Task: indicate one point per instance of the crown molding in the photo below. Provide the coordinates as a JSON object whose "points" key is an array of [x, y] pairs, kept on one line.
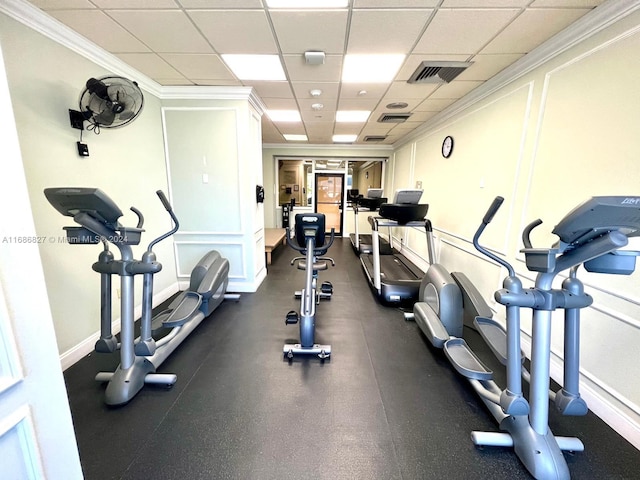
{"points": [[338, 146], [588, 25]]}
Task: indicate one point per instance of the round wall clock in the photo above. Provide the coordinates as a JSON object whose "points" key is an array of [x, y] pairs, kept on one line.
{"points": [[447, 146]]}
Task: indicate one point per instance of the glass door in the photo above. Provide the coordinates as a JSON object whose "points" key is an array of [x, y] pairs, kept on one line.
{"points": [[329, 199]]}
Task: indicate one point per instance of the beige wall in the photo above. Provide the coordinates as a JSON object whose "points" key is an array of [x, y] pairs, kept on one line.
{"points": [[562, 133], [127, 163]]}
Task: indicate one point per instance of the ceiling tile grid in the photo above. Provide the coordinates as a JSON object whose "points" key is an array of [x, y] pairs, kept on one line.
{"points": [[181, 42]]}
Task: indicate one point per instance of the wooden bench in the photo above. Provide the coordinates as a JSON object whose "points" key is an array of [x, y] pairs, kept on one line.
{"points": [[272, 238]]}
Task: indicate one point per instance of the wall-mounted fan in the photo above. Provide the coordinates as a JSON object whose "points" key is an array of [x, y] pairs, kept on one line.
{"points": [[108, 102]]}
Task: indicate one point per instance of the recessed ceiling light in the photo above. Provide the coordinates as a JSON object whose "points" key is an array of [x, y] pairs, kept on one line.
{"points": [[290, 137], [284, 115], [398, 105], [371, 68], [352, 115], [255, 67], [307, 3], [344, 138], [316, 92]]}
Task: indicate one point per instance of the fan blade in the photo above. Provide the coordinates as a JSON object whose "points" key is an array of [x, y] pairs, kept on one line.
{"points": [[106, 117]]}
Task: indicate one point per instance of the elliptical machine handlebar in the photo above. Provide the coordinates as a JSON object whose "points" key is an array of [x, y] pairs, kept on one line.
{"points": [[488, 217], [176, 223]]}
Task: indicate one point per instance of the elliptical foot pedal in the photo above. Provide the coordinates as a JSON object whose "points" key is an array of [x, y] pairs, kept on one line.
{"points": [[465, 361], [292, 318]]}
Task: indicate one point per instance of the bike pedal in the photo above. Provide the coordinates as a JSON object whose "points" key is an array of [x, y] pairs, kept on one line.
{"points": [[292, 318], [326, 287]]}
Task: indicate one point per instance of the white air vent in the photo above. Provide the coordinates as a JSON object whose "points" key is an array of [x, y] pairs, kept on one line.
{"points": [[393, 117], [375, 138], [438, 72]]}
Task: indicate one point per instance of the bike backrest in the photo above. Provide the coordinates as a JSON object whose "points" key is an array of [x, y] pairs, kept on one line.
{"points": [[310, 225]]}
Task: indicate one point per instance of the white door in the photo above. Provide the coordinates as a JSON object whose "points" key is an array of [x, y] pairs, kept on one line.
{"points": [[36, 433]]}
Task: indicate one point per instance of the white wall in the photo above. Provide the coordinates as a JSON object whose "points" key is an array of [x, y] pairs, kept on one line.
{"points": [[547, 141]]}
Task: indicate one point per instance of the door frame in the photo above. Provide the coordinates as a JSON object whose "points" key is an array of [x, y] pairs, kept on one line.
{"points": [[331, 173]]}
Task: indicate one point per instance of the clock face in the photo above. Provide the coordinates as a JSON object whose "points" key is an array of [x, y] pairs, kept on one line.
{"points": [[447, 146]]}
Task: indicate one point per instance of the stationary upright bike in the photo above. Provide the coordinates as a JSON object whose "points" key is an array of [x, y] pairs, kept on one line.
{"points": [[310, 236], [98, 217]]}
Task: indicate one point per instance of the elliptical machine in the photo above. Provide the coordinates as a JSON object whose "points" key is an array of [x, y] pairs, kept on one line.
{"points": [[590, 235], [139, 358], [310, 235]]}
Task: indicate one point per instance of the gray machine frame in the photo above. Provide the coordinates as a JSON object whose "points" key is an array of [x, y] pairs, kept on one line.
{"points": [[140, 357], [590, 235]]}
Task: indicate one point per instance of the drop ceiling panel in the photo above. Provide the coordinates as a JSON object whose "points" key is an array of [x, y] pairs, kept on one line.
{"points": [[62, 4], [456, 89], [371, 30], [357, 103], [531, 28], [486, 66], [567, 3], [299, 71], [236, 31], [301, 31], [136, 3], [394, 3], [220, 3], [152, 65], [278, 103], [463, 30], [411, 90], [164, 31], [484, 3], [100, 29], [271, 89], [434, 104], [326, 115], [329, 90], [329, 104], [202, 66], [353, 90]]}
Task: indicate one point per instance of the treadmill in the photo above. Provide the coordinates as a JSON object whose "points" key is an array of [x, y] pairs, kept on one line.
{"points": [[394, 278], [361, 242]]}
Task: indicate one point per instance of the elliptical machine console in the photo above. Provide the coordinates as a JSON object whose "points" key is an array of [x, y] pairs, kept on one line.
{"points": [[310, 237], [98, 217]]}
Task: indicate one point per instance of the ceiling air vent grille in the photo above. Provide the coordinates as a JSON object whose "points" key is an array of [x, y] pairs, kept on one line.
{"points": [[393, 117], [375, 138], [438, 72]]}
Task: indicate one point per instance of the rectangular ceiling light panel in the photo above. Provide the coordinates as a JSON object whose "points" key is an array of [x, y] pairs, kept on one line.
{"points": [[352, 115], [255, 67], [299, 4], [371, 68]]}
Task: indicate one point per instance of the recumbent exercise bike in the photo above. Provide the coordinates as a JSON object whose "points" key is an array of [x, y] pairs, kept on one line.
{"points": [[310, 236], [98, 215]]}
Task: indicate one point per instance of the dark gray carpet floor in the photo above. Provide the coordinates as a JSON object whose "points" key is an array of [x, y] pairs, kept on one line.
{"points": [[385, 406]]}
